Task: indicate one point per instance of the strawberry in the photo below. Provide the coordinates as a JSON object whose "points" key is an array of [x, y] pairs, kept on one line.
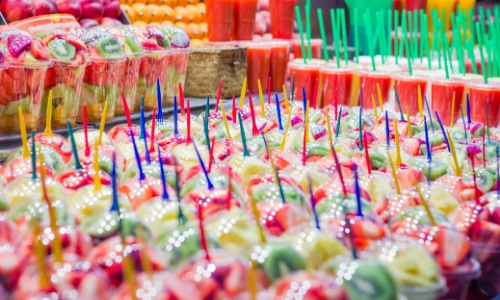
{"points": [[454, 247], [235, 281], [50, 79], [136, 191], [76, 179], [76, 42], [407, 178], [49, 37], [367, 229], [412, 145], [38, 50]]}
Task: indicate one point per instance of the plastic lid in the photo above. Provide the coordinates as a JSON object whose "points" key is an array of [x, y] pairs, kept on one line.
{"points": [[481, 85], [66, 48], [302, 66], [131, 45], [313, 41], [103, 45], [332, 69], [21, 48], [313, 61], [152, 39], [279, 43]]}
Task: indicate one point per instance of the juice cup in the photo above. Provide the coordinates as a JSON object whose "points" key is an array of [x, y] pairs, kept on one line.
{"points": [[244, 19], [458, 281], [102, 75], [316, 47], [259, 63], [305, 76], [369, 80], [442, 97], [219, 19], [479, 94], [407, 88], [282, 18], [341, 79], [280, 51], [176, 73], [468, 77]]}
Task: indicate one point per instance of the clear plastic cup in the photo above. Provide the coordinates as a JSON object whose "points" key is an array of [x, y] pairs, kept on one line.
{"points": [[22, 69], [280, 52], [259, 60], [244, 19], [128, 83], [305, 76], [369, 80], [442, 92], [64, 78], [176, 73], [102, 75], [407, 88], [479, 94], [316, 47], [488, 255], [458, 281], [333, 78], [282, 18], [219, 19]]}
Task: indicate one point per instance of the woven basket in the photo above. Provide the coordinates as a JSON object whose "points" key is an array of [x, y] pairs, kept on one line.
{"points": [[208, 65]]}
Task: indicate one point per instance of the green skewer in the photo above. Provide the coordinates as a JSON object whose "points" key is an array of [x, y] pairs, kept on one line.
{"points": [[480, 44], [323, 34], [344, 35], [335, 36], [356, 35], [396, 35], [301, 32]]}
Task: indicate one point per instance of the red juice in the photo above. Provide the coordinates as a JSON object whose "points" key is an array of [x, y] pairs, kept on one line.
{"points": [[282, 18], [244, 19], [316, 48], [479, 94], [442, 98], [279, 62], [258, 61], [305, 76], [332, 77], [219, 19], [407, 88], [369, 80]]}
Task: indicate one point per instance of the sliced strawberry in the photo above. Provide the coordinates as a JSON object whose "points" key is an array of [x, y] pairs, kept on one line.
{"points": [[407, 178], [488, 234], [38, 50], [149, 44], [367, 229], [439, 147], [50, 79], [236, 281], [313, 158], [411, 145], [290, 215], [137, 192], [73, 40], [454, 247], [49, 37]]}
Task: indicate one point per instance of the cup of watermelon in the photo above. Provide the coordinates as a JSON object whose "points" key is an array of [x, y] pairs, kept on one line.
{"points": [[70, 57], [102, 75], [23, 63], [177, 63], [153, 65], [132, 48]]}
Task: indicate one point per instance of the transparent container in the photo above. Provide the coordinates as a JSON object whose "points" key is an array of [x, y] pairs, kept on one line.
{"points": [[488, 255], [176, 73], [458, 281]]}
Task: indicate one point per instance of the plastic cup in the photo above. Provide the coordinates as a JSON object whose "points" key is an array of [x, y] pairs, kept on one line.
{"points": [[176, 73], [65, 81], [333, 78], [489, 257], [316, 47], [407, 88], [219, 19], [305, 76], [282, 18], [128, 85], [369, 80], [280, 51], [442, 91], [259, 63], [458, 281], [479, 94], [244, 19], [153, 65]]}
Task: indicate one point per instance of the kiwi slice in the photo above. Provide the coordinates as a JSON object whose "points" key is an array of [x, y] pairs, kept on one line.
{"points": [[61, 49], [134, 44], [281, 261], [371, 281], [109, 48], [436, 167]]}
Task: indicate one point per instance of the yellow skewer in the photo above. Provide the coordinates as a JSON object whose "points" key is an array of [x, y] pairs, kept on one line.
{"points": [[426, 207], [398, 146], [380, 100], [420, 103], [24, 138], [48, 117], [393, 171], [261, 98], [410, 130], [103, 121], [224, 119], [452, 110], [330, 133], [97, 168], [286, 98], [243, 92], [375, 110], [306, 124], [287, 126], [256, 215], [458, 170]]}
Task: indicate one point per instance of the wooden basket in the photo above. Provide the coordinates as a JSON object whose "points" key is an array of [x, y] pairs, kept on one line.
{"points": [[208, 65]]}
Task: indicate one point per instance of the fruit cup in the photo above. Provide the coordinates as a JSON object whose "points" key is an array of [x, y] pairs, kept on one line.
{"points": [[244, 19], [176, 73], [369, 80], [407, 89], [282, 18], [479, 94], [442, 92], [489, 257], [259, 61], [316, 48], [128, 83], [305, 76], [280, 51], [153, 65], [334, 78], [24, 63], [102, 75], [458, 280], [64, 78], [219, 19]]}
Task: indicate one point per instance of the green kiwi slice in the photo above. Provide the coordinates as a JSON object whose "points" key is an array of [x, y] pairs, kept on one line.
{"points": [[109, 48], [134, 44], [61, 49]]}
